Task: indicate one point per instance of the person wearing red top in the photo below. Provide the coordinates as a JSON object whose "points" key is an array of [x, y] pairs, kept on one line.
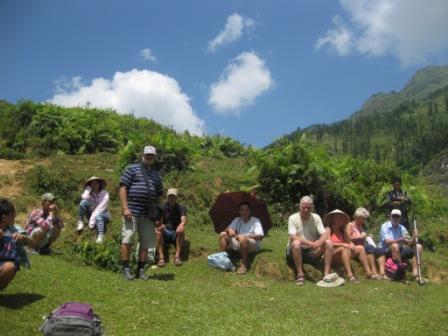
{"points": [[335, 222]]}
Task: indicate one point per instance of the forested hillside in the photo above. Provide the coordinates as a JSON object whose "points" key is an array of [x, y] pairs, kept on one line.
{"points": [[408, 128]]}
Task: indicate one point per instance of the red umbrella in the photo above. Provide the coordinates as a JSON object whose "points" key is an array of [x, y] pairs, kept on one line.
{"points": [[225, 210]]}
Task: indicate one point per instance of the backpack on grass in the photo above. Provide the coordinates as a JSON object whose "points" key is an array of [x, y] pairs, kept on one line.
{"points": [[72, 319], [395, 270], [220, 261]]}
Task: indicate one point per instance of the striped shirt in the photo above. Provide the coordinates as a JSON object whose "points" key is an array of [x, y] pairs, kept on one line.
{"points": [[138, 194]]}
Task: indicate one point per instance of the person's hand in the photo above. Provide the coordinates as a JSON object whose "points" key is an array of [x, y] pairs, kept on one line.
{"points": [[180, 228], [352, 246], [160, 227], [127, 214], [314, 245], [17, 237], [53, 208]]}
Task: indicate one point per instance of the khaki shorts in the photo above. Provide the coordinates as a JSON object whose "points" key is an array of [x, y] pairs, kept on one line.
{"points": [[144, 228], [254, 245]]}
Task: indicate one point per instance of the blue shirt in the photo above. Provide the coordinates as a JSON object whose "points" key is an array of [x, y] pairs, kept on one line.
{"points": [[139, 197], [388, 231]]}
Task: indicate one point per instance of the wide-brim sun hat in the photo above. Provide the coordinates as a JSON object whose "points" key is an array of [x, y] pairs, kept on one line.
{"points": [[101, 181], [329, 217], [331, 280]]}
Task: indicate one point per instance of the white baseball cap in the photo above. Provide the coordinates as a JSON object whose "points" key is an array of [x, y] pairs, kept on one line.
{"points": [[395, 212], [149, 150]]}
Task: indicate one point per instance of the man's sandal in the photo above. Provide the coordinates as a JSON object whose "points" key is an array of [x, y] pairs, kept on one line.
{"points": [[161, 263], [241, 270], [178, 262], [300, 280]]}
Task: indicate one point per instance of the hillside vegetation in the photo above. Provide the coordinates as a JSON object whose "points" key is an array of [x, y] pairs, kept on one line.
{"points": [[406, 128]]}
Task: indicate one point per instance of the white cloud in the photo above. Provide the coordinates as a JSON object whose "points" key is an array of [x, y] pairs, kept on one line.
{"points": [[241, 82], [147, 55], [339, 38], [236, 25], [412, 30], [145, 93]]}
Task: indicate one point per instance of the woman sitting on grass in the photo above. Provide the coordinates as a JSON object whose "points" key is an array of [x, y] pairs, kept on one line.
{"points": [[94, 206], [358, 237], [10, 240], [335, 222]]}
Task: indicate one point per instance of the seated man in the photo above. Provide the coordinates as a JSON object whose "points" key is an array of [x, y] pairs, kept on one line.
{"points": [[44, 225], [397, 243], [172, 228], [307, 239], [244, 234]]}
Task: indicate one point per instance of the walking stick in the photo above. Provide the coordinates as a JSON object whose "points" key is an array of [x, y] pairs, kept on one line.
{"points": [[417, 255]]}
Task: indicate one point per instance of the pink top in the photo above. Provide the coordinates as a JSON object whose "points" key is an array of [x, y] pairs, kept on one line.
{"points": [[37, 218], [337, 237], [356, 235]]}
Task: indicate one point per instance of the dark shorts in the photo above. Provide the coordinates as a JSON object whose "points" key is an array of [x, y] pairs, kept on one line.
{"points": [[377, 251], [406, 252], [169, 236], [308, 255]]}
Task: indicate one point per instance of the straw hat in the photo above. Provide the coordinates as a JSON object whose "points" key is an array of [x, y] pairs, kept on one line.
{"points": [[101, 181], [329, 217]]}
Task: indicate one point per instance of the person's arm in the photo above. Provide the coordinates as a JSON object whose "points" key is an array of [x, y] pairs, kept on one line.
{"points": [[24, 239], [388, 237], [123, 192], [86, 193], [183, 222]]}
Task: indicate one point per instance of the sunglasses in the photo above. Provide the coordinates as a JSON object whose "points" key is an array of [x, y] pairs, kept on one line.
{"points": [[396, 216]]}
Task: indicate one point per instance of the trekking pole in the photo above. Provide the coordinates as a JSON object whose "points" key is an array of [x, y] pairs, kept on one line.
{"points": [[417, 255]]}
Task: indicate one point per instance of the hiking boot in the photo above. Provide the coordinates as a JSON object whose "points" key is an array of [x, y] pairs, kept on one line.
{"points": [[44, 250], [79, 226], [127, 275], [100, 239], [141, 274]]}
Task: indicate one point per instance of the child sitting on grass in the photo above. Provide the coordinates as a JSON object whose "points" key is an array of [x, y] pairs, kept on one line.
{"points": [[10, 243]]}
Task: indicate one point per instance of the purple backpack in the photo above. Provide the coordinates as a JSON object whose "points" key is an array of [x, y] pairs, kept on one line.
{"points": [[395, 270], [70, 319]]}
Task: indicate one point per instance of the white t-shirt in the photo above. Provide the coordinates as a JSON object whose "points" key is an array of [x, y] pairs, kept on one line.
{"points": [[251, 227], [310, 229]]}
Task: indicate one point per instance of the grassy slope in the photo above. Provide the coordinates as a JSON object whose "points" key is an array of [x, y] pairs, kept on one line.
{"points": [[195, 299]]}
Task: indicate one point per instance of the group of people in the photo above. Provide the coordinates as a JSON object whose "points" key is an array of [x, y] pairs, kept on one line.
{"points": [[157, 225], [336, 241]]}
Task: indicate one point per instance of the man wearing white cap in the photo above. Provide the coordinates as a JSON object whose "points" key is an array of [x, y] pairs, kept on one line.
{"points": [[397, 243], [140, 192], [172, 228]]}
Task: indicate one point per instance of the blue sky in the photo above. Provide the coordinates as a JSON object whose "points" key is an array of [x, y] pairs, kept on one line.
{"points": [[252, 70]]}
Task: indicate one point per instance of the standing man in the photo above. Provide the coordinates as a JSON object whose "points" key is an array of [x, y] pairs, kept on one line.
{"points": [[44, 225], [172, 228], [398, 244], [307, 239], [140, 192], [398, 199]]}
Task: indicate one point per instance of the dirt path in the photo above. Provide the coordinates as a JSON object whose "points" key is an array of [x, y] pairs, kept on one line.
{"points": [[11, 177]]}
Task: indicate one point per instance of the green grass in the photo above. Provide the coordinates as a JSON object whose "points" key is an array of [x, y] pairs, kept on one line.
{"points": [[197, 300]]}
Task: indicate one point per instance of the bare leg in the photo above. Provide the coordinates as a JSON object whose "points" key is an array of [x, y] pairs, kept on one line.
{"points": [[372, 263], [180, 237], [244, 250], [159, 237], [223, 241], [360, 251], [329, 251], [296, 251], [142, 254], [7, 273], [381, 264], [125, 251]]}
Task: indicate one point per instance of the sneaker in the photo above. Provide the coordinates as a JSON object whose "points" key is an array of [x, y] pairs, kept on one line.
{"points": [[79, 226], [141, 274], [100, 239], [127, 275]]}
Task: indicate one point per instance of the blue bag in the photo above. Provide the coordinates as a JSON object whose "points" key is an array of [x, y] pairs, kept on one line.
{"points": [[221, 261]]}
